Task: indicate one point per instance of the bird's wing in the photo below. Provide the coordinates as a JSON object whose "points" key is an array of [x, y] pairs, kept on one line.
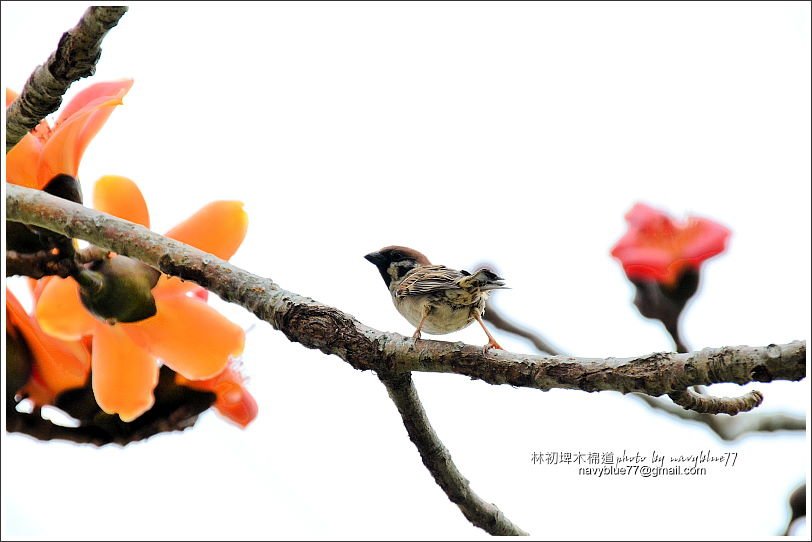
{"points": [[427, 279]]}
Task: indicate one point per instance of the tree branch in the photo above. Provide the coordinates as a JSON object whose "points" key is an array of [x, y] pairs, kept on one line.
{"points": [[730, 428], [725, 428], [496, 318], [438, 460], [41, 429], [75, 57], [319, 326], [706, 404], [38, 264]]}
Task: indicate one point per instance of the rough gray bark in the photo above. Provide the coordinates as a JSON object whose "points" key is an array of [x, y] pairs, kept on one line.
{"points": [[75, 57], [706, 404], [726, 428]]}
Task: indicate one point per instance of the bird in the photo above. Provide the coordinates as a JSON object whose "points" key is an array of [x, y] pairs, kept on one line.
{"points": [[435, 298]]}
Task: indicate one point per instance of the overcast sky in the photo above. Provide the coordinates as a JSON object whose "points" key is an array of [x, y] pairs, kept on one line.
{"points": [[513, 133]]}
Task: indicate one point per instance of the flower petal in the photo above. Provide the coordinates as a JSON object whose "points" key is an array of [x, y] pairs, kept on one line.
{"points": [[217, 228], [124, 374], [71, 135], [189, 336], [704, 239], [57, 365], [233, 400], [658, 248], [11, 95], [235, 403], [120, 196], [642, 214], [98, 91], [61, 313], [22, 162], [174, 286]]}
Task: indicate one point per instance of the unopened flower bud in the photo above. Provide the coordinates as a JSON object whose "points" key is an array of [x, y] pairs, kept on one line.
{"points": [[118, 289]]}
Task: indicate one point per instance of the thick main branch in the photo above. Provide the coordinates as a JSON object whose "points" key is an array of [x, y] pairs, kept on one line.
{"points": [[330, 330], [75, 57]]}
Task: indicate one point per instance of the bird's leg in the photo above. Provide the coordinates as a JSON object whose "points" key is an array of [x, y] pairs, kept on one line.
{"points": [[491, 341], [426, 312]]}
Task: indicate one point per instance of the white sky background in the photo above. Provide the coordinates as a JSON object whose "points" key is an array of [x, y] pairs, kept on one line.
{"points": [[516, 133]]}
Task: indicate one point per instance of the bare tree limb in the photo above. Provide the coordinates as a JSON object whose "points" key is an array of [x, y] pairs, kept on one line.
{"points": [[726, 428], [75, 57], [706, 404], [315, 325], [38, 264], [438, 460]]}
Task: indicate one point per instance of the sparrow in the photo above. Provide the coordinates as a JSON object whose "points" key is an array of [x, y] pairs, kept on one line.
{"points": [[435, 298]]}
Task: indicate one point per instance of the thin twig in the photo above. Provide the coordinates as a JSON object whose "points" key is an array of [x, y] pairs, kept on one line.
{"points": [[706, 404], [496, 318], [730, 428], [438, 460], [75, 57]]}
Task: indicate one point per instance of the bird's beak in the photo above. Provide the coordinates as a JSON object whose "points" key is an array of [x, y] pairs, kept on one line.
{"points": [[376, 258]]}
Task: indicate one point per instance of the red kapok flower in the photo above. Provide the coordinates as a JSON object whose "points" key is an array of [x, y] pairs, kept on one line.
{"points": [[47, 152], [656, 248], [186, 334], [233, 400], [55, 365]]}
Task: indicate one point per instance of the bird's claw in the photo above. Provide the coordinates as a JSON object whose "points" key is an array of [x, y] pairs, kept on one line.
{"points": [[491, 344]]}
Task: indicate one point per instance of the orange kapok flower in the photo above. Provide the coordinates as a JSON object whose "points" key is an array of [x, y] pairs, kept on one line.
{"points": [[233, 400], [186, 334], [56, 365], [656, 248], [45, 151]]}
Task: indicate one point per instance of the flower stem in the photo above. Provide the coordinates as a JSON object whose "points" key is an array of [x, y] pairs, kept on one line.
{"points": [[672, 326]]}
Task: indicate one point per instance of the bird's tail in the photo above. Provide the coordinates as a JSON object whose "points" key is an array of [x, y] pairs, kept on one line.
{"points": [[484, 279]]}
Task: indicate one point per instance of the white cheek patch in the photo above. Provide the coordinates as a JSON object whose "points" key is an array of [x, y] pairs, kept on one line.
{"points": [[398, 270], [392, 271]]}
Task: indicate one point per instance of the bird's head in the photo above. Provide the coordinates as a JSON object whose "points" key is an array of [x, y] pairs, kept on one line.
{"points": [[393, 262]]}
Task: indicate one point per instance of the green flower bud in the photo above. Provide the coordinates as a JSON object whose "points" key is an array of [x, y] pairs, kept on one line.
{"points": [[118, 289]]}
